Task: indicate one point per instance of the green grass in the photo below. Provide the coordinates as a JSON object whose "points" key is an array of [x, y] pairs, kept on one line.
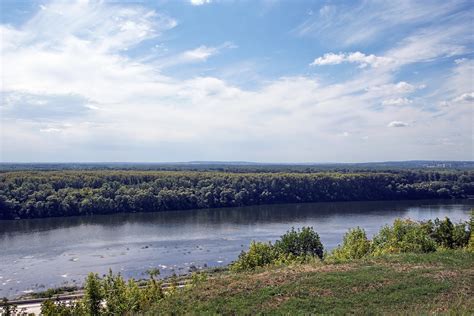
{"points": [[440, 282]]}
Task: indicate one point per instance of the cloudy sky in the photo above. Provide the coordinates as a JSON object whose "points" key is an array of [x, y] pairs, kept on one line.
{"points": [[268, 81]]}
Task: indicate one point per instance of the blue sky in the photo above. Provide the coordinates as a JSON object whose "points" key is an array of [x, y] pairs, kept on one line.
{"points": [[267, 81]]}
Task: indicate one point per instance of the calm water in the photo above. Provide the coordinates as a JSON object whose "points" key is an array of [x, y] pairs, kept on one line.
{"points": [[43, 253]]}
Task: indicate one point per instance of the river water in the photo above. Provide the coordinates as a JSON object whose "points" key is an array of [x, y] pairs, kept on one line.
{"points": [[42, 253]]}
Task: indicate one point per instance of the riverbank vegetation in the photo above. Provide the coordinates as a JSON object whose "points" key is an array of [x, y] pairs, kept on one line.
{"points": [[33, 194], [408, 267]]}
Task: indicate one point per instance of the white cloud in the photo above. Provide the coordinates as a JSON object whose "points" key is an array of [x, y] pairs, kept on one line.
{"points": [[92, 102], [431, 43], [199, 2], [356, 22], [356, 57], [465, 97], [196, 55], [397, 124], [329, 59], [401, 87], [199, 54], [397, 101]]}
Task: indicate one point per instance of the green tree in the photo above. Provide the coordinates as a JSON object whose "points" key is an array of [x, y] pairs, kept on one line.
{"points": [[94, 294], [355, 245], [301, 242]]}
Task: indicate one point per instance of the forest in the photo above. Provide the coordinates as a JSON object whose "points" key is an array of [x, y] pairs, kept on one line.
{"points": [[35, 194]]}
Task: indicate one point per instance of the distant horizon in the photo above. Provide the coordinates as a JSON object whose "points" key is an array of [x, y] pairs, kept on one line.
{"points": [[234, 162]]}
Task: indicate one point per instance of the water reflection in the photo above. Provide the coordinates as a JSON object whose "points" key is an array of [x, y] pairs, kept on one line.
{"points": [[236, 215]]}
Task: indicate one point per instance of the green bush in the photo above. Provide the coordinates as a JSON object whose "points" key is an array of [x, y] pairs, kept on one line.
{"points": [[443, 232], [8, 309], [303, 242], [403, 236], [461, 234], [446, 234], [94, 294], [110, 295], [258, 255], [294, 246], [55, 308], [122, 297], [355, 245], [470, 246]]}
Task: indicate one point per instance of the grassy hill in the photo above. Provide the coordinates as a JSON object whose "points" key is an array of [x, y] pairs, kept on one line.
{"points": [[437, 282]]}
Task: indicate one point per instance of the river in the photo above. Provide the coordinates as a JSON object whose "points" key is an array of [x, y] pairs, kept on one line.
{"points": [[42, 253]]}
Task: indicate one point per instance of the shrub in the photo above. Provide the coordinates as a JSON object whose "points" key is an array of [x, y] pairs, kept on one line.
{"points": [[8, 309], [461, 234], [470, 246], [295, 246], [110, 295], [446, 234], [403, 236], [54, 308], [443, 233], [94, 294], [355, 245], [258, 255], [300, 243]]}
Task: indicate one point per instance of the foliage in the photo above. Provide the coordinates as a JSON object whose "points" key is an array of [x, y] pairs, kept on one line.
{"points": [[7, 309], [198, 278], [294, 246], [470, 245], [443, 232], [55, 308], [258, 255], [404, 236], [54, 291], [303, 242], [355, 245], [94, 294], [110, 295], [30, 194]]}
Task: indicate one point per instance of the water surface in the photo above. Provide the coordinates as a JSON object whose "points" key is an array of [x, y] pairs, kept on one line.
{"points": [[43, 253]]}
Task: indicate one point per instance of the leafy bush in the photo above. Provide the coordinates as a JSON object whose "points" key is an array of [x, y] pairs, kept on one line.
{"points": [[94, 294], [300, 243], [258, 255], [294, 246], [470, 246], [8, 309], [446, 234], [443, 231], [110, 295], [355, 245], [403, 236], [461, 234], [54, 308]]}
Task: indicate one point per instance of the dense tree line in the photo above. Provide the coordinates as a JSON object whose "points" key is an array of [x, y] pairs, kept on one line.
{"points": [[30, 194]]}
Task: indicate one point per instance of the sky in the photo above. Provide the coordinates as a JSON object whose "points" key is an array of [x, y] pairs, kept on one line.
{"points": [[262, 81]]}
